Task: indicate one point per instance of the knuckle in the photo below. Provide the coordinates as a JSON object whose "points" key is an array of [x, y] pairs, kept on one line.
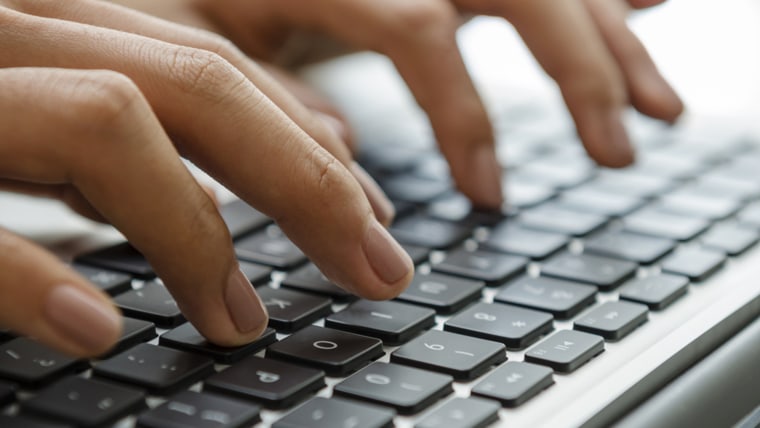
{"points": [[217, 44], [332, 178], [105, 101], [203, 73]]}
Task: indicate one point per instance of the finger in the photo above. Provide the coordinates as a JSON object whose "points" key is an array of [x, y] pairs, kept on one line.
{"points": [[45, 299], [324, 130], [420, 38], [650, 93], [318, 103], [642, 4], [231, 130], [563, 38], [107, 143]]}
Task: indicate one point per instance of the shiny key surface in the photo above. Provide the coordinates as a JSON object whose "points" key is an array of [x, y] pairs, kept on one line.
{"points": [[334, 351], [406, 389]]}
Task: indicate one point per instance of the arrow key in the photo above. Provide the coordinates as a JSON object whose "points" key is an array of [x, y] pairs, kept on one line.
{"points": [[566, 350], [514, 383], [613, 320]]}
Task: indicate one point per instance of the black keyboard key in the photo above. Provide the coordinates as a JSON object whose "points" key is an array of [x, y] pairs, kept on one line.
{"points": [[256, 274], [200, 410], [563, 299], [291, 310], [750, 215], [134, 331], [187, 338], [552, 218], [672, 226], [7, 392], [457, 208], [513, 326], [152, 303], [33, 364], [730, 239], [553, 173], [111, 282], [627, 183], [462, 413], [159, 370], [308, 278], [406, 389], [566, 350], [492, 268], [514, 383], [603, 272], [514, 239], [336, 352], [321, 412], [695, 263], [241, 218], [429, 232], [24, 421], [629, 246], [409, 188], [6, 335], [462, 357], [612, 320], [444, 293], [392, 322], [656, 291], [85, 402], [269, 247], [692, 204], [275, 384], [416, 253], [525, 194], [606, 204], [712, 184], [121, 257]]}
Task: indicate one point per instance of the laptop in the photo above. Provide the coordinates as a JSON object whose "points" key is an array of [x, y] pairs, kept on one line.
{"points": [[596, 298]]}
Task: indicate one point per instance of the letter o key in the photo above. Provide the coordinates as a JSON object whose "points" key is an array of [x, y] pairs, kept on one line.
{"points": [[325, 345]]}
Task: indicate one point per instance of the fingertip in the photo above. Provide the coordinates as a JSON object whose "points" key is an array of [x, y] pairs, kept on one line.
{"points": [[657, 99], [388, 260], [246, 310], [642, 4], [478, 175], [88, 324], [618, 151]]}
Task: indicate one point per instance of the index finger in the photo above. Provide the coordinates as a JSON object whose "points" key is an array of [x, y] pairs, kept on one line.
{"points": [[420, 38], [231, 130]]}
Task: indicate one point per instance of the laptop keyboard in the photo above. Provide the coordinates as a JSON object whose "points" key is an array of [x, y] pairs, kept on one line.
{"points": [[500, 307]]}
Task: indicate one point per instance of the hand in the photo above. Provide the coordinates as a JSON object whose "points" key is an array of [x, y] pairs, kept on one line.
{"points": [[100, 117], [599, 65]]}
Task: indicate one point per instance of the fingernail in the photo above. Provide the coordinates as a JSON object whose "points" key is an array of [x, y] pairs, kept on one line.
{"points": [[381, 205], [245, 308], [82, 318], [488, 173], [389, 261]]}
